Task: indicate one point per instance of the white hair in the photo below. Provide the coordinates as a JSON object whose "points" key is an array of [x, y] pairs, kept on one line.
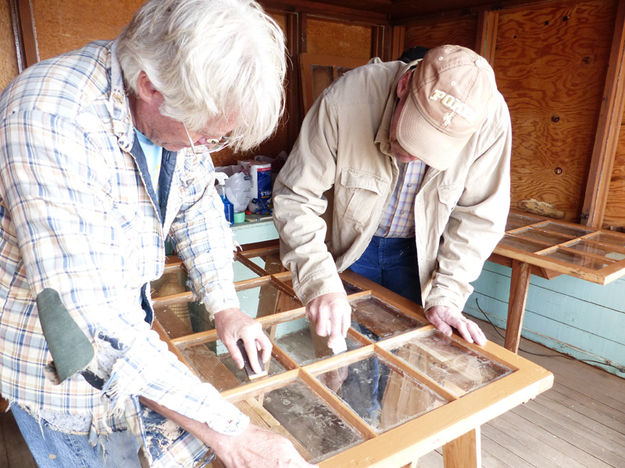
{"points": [[210, 59]]}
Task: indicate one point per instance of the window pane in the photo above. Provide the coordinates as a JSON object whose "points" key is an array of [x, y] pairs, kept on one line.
{"points": [[451, 365], [380, 395], [376, 320]]}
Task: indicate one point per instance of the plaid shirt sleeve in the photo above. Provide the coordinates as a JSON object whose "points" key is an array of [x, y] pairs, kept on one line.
{"points": [[77, 235], [202, 237]]}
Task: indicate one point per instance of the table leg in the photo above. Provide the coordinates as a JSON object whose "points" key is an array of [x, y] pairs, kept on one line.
{"points": [[519, 285], [464, 452]]}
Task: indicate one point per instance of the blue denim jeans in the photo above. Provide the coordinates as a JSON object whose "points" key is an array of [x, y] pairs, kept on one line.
{"points": [[392, 263], [55, 449]]}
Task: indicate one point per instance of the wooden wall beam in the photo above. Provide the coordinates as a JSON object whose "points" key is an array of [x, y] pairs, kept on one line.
{"points": [[325, 10], [398, 41], [25, 33], [486, 39], [608, 127], [295, 41]]}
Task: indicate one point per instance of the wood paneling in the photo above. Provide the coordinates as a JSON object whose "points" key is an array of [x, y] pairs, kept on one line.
{"points": [[550, 66], [67, 25], [334, 38], [8, 56], [460, 31]]}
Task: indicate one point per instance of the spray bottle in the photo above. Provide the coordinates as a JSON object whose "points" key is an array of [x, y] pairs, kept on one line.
{"points": [[221, 190]]}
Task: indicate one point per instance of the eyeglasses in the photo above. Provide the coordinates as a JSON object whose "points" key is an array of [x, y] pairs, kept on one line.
{"points": [[212, 145]]}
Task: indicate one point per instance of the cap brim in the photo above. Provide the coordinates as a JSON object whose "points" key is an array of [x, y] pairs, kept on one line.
{"points": [[423, 141]]}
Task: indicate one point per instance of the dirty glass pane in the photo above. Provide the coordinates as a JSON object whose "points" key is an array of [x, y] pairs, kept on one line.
{"points": [[573, 231], [213, 363], [577, 259], [458, 369], [317, 429], [521, 244], [516, 220], [380, 395], [597, 249], [543, 236], [265, 300], [270, 262], [612, 239], [376, 320], [351, 288], [172, 282], [301, 343], [175, 319], [242, 272]]}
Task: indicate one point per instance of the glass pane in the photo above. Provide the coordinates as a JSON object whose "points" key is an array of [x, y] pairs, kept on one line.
{"points": [[547, 237], [172, 282], [315, 425], [266, 300], [577, 259], [213, 363], [242, 272], [175, 319], [380, 395], [376, 320], [573, 231], [521, 244], [451, 365], [516, 220], [597, 249], [301, 343], [612, 239], [270, 262], [351, 288]]}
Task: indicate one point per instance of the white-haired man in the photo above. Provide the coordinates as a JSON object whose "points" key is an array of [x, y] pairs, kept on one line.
{"points": [[94, 174], [417, 157]]}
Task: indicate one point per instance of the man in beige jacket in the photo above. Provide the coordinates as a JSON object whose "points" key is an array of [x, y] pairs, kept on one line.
{"points": [[400, 173]]}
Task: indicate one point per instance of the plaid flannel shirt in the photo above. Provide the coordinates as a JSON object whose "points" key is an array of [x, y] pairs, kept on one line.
{"points": [[76, 216]]}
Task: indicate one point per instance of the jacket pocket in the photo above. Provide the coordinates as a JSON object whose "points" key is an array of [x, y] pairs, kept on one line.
{"points": [[448, 196], [358, 196]]}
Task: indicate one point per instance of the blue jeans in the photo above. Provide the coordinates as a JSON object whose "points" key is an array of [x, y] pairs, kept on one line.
{"points": [[392, 263], [55, 449]]}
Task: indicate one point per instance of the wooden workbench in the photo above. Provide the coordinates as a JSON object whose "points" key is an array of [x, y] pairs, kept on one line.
{"points": [[548, 248]]}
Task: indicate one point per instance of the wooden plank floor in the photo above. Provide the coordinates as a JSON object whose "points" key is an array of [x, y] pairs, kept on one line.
{"points": [[580, 422]]}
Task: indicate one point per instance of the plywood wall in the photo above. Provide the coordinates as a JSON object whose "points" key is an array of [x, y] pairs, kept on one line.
{"points": [[550, 65], [8, 60], [338, 38], [460, 31], [67, 25]]}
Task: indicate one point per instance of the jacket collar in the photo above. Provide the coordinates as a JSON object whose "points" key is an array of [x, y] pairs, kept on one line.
{"points": [[119, 104], [383, 134]]}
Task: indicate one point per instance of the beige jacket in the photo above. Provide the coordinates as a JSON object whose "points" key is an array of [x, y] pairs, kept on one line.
{"points": [[329, 196]]}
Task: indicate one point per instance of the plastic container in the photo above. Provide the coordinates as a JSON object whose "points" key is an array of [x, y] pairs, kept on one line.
{"points": [[221, 190]]}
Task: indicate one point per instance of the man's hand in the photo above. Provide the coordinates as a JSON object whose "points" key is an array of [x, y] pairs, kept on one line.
{"points": [[252, 448], [257, 448], [232, 325], [331, 314], [444, 318]]}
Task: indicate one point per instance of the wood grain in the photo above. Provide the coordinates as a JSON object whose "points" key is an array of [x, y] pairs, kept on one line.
{"points": [[8, 56], [460, 31], [550, 66]]}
